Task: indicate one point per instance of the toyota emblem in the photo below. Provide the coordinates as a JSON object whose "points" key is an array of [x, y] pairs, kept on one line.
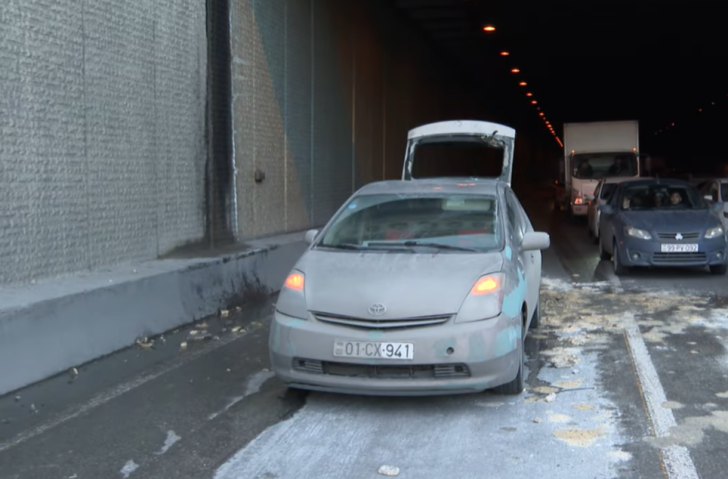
{"points": [[377, 309], [678, 236]]}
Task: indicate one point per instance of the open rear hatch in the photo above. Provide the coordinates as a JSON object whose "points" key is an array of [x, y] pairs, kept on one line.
{"points": [[468, 140]]}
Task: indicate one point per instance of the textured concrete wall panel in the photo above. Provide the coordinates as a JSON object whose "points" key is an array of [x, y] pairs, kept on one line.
{"points": [[180, 62], [269, 195], [119, 77], [43, 219], [298, 108], [101, 111], [332, 154]]}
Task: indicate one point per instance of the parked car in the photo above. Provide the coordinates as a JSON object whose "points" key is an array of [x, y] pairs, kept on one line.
{"points": [[414, 287], [602, 193], [716, 191], [659, 222]]}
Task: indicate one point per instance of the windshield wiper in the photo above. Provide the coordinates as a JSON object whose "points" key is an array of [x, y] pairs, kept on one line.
{"points": [[359, 247], [349, 246], [438, 245]]}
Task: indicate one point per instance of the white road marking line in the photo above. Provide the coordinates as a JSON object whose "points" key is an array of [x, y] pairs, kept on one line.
{"points": [[254, 384], [677, 460], [114, 392]]}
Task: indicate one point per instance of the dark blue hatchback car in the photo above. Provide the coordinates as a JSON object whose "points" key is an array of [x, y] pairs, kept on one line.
{"points": [[657, 222]]}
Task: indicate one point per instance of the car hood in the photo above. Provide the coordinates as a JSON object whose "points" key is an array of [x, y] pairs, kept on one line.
{"points": [[407, 284], [671, 221]]}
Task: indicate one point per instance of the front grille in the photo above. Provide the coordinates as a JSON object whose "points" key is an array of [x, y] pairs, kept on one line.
{"points": [[678, 258], [372, 371], [692, 235], [366, 323]]}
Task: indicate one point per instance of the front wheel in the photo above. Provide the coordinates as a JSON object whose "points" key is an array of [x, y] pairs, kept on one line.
{"points": [[602, 252], [518, 384], [619, 268], [719, 269]]}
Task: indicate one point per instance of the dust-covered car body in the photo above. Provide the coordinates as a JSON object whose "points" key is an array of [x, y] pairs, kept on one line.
{"points": [[413, 288], [642, 226]]}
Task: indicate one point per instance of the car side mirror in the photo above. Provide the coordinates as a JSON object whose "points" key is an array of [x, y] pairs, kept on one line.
{"points": [[535, 240], [606, 209], [310, 236]]}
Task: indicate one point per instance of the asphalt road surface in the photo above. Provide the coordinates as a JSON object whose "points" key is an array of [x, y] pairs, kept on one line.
{"points": [[628, 378]]}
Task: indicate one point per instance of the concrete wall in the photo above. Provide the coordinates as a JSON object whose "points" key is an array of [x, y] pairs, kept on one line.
{"points": [[324, 92], [102, 150]]}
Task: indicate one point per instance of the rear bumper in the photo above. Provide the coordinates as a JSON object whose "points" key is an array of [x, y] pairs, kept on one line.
{"points": [[579, 210]]}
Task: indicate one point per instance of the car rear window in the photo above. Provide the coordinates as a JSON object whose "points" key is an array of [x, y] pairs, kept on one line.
{"points": [[457, 220]]}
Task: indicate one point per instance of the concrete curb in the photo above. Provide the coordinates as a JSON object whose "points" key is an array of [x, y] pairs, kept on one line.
{"points": [[51, 327]]}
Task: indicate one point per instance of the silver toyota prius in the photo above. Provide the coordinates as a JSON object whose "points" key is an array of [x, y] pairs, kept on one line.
{"points": [[415, 287]]}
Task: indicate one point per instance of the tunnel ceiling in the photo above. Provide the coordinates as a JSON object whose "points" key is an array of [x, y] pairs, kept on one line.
{"points": [[658, 62]]}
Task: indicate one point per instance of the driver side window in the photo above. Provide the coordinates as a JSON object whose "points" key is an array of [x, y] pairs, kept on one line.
{"points": [[514, 218]]}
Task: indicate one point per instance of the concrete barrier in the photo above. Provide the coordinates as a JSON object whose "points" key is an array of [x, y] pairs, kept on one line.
{"points": [[49, 327]]}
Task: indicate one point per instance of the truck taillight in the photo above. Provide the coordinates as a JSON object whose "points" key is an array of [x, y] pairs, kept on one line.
{"points": [[578, 201]]}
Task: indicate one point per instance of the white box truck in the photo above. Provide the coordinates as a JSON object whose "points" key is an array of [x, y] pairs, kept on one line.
{"points": [[592, 151]]}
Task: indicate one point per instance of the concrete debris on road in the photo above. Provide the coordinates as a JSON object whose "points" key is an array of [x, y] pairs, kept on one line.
{"points": [[388, 470], [183, 345], [144, 343], [550, 398], [224, 313]]}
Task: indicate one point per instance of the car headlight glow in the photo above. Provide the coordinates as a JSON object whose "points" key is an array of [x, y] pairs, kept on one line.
{"points": [[714, 232], [292, 298], [637, 233], [484, 301]]}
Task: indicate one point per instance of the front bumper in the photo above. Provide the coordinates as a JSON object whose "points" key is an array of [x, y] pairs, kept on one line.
{"points": [[638, 252], [448, 358]]}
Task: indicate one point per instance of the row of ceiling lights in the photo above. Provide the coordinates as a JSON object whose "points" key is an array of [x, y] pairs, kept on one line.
{"points": [[491, 29], [672, 125]]}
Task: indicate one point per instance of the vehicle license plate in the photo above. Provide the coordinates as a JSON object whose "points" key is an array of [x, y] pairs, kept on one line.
{"points": [[679, 248], [373, 350]]}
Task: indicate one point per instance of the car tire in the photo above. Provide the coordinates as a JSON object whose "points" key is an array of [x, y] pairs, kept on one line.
{"points": [[536, 319], [619, 268], [719, 270], [602, 252], [518, 384]]}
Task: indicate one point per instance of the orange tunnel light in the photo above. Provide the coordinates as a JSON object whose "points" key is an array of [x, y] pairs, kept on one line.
{"points": [[529, 94], [295, 281], [504, 54], [523, 83], [540, 114], [533, 102], [515, 70], [489, 28]]}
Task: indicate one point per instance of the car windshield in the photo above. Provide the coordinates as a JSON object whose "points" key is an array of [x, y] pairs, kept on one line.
{"points": [[604, 165], [662, 197], [449, 223]]}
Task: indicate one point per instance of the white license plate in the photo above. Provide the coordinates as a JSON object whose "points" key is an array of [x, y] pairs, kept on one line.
{"points": [[679, 248], [373, 350]]}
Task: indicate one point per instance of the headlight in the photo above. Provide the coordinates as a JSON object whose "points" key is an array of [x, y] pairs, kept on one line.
{"points": [[714, 232], [637, 233], [292, 298], [484, 301]]}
